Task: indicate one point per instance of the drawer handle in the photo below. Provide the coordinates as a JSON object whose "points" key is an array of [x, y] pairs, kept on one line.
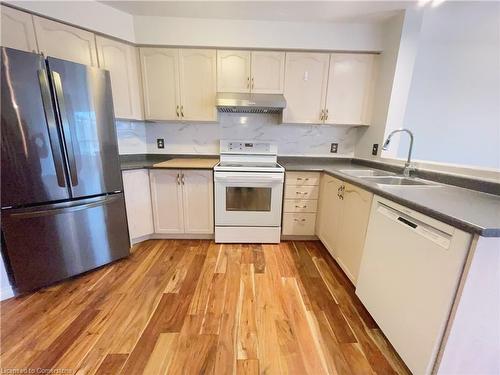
{"points": [[302, 220], [303, 193], [300, 179], [300, 206]]}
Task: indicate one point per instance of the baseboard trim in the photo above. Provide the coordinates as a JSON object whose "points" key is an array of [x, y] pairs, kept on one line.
{"points": [[290, 237], [174, 236]]}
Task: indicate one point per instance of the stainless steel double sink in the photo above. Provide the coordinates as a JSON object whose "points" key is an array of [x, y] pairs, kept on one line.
{"points": [[386, 178]]}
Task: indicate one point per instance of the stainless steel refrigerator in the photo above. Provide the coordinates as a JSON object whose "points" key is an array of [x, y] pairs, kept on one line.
{"points": [[63, 209]]}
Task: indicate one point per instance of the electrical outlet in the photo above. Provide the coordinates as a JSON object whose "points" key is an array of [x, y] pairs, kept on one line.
{"points": [[334, 148], [375, 149], [160, 143]]}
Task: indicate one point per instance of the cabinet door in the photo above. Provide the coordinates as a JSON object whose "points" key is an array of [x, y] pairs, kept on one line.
{"points": [[198, 77], [350, 82], [17, 30], [268, 72], [166, 199], [65, 42], [306, 78], [233, 71], [122, 62], [138, 202], [330, 211], [351, 239], [197, 187], [160, 80]]}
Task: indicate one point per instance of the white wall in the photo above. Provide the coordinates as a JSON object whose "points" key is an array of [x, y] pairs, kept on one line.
{"points": [[383, 93], [257, 34], [88, 14], [453, 105]]}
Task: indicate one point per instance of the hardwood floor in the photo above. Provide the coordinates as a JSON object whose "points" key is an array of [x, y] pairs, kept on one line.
{"points": [[191, 307]]}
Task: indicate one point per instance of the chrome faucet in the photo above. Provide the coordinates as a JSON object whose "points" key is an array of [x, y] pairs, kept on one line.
{"points": [[408, 168]]}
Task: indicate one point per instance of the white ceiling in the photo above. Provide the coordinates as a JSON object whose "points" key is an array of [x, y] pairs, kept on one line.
{"points": [[292, 11]]}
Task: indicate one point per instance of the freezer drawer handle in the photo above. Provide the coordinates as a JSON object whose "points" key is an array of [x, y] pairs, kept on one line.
{"points": [[52, 127], [65, 207], [66, 127]]}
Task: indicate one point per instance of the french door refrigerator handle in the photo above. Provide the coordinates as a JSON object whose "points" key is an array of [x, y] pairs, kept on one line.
{"points": [[52, 127], [56, 78]]}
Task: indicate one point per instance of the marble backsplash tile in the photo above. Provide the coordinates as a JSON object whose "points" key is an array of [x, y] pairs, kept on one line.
{"points": [[196, 138], [131, 137]]}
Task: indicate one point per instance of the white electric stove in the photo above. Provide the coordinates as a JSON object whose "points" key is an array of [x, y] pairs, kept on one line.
{"points": [[248, 193]]}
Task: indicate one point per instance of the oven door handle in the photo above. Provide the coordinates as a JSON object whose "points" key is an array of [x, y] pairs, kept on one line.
{"points": [[270, 179]]}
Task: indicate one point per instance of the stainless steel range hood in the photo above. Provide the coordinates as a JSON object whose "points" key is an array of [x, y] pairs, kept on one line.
{"points": [[250, 103]]}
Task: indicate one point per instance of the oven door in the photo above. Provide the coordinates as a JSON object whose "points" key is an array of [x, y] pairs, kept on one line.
{"points": [[248, 199]]}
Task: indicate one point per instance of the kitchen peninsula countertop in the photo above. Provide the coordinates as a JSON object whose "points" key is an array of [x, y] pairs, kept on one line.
{"points": [[466, 209]]}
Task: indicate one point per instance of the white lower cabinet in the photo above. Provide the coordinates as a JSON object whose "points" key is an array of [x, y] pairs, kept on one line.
{"points": [[342, 222], [197, 195], [138, 203], [182, 201], [300, 203]]}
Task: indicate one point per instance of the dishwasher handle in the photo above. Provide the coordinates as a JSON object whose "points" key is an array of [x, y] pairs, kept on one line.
{"points": [[407, 222]]}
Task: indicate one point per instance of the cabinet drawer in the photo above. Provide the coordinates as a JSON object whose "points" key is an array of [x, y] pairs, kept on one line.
{"points": [[300, 205], [301, 224], [302, 178], [301, 192]]}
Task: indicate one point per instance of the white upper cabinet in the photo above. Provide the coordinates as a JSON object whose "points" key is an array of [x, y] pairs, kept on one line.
{"points": [[268, 72], [306, 78], [160, 79], [233, 71], [350, 84], [250, 71], [65, 42], [17, 30], [198, 75], [122, 62], [197, 190]]}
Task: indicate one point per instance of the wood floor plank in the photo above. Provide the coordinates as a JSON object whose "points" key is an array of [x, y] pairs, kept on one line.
{"points": [[47, 358], [215, 307], [226, 345], [247, 333], [195, 353], [193, 306], [161, 356], [247, 367], [112, 364]]}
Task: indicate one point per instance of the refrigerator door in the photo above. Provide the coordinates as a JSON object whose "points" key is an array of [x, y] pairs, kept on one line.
{"points": [[33, 168], [85, 111], [49, 243]]}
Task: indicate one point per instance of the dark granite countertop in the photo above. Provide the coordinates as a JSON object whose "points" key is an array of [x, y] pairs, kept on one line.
{"points": [[466, 209]]}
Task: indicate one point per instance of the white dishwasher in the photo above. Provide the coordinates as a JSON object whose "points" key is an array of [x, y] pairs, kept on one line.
{"points": [[408, 278]]}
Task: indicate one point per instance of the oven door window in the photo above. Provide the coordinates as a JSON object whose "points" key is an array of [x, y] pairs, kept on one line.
{"points": [[248, 198]]}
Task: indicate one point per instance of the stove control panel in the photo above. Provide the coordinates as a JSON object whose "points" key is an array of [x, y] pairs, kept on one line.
{"points": [[247, 147]]}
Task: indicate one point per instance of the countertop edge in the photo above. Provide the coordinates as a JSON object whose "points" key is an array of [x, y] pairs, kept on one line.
{"points": [[450, 220]]}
